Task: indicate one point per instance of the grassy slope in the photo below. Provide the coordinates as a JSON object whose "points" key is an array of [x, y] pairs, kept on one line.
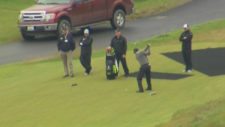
{"points": [[35, 95], [211, 114], [9, 11], [152, 7], [9, 31]]}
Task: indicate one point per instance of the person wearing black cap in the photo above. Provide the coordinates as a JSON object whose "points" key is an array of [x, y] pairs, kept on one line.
{"points": [[66, 47], [145, 69], [119, 44], [86, 51], [186, 39]]}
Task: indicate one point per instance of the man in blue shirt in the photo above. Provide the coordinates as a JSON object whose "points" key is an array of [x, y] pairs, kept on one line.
{"points": [[66, 47]]}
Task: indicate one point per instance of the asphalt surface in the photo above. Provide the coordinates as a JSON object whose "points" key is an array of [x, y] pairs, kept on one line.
{"points": [[195, 12]]}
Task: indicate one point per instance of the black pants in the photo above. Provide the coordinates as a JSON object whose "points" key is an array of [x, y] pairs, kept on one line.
{"points": [[187, 59], [145, 70], [85, 60], [124, 63]]}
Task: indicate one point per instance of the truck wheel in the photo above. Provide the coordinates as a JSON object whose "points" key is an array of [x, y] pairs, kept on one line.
{"points": [[27, 37], [61, 24], [119, 19]]}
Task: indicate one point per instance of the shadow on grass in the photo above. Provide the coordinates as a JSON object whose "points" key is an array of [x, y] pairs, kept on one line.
{"points": [[165, 76], [209, 61]]}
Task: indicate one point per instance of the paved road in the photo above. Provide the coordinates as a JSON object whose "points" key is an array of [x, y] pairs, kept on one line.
{"points": [[195, 12]]}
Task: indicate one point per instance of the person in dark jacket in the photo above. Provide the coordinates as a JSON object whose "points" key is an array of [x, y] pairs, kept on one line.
{"points": [[145, 69], [86, 51], [186, 39], [66, 47], [119, 44]]}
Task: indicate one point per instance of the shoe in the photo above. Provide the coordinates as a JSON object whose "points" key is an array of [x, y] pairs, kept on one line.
{"points": [[189, 71], [148, 89], [126, 75], [152, 93], [86, 74], [90, 70]]}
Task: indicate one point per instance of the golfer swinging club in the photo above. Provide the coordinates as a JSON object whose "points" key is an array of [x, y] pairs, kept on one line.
{"points": [[145, 69]]}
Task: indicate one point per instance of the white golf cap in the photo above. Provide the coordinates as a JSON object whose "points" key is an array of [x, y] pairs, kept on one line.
{"points": [[86, 31], [186, 26]]}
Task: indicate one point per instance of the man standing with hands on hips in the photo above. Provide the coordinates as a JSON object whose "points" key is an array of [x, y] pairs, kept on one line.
{"points": [[186, 39], [119, 44], [86, 51], [66, 47]]}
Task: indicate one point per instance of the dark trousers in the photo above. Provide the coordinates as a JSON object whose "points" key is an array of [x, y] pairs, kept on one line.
{"points": [[187, 59], [124, 63], [145, 70], [85, 60]]}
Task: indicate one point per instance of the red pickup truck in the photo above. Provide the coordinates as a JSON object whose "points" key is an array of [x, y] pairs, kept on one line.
{"points": [[48, 16]]}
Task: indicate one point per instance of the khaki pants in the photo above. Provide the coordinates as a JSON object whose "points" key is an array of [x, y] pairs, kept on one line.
{"points": [[67, 59]]}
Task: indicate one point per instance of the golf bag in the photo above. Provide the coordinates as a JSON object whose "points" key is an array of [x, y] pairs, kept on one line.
{"points": [[111, 64]]}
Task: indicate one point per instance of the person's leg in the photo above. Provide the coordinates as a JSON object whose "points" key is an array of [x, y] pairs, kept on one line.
{"points": [[185, 59], [118, 58], [86, 63], [148, 77], [139, 79], [191, 64], [189, 60], [82, 60], [124, 64], [118, 62], [70, 62], [64, 60], [89, 63]]}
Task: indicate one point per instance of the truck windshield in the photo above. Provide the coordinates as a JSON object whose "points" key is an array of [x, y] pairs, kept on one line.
{"points": [[53, 1]]}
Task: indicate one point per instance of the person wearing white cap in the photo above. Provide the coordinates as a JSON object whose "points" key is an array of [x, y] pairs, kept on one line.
{"points": [[86, 51], [186, 39]]}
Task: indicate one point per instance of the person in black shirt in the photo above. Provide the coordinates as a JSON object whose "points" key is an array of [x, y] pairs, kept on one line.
{"points": [[119, 44], [186, 39], [66, 47], [86, 51]]}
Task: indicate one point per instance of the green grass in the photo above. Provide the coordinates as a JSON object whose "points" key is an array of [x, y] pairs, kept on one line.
{"points": [[10, 12], [211, 114], [152, 7], [33, 94]]}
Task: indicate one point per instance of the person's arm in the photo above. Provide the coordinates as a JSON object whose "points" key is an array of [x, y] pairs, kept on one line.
{"points": [[71, 39], [147, 50], [81, 42], [124, 46], [190, 36], [91, 42], [88, 42]]}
